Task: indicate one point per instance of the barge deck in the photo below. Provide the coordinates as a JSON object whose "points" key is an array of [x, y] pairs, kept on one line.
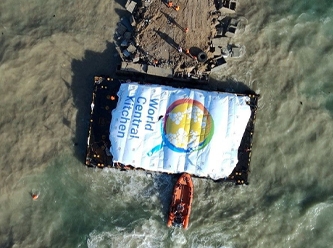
{"points": [[104, 100]]}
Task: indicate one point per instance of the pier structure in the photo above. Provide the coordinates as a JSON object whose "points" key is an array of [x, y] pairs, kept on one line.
{"points": [[188, 43]]}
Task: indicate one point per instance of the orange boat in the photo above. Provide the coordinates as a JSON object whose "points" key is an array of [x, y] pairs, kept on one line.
{"points": [[180, 207]]}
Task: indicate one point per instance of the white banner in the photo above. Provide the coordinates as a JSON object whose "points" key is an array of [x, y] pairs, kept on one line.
{"points": [[160, 128]]}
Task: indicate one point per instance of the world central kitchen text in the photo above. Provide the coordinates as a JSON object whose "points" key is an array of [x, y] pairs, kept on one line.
{"points": [[131, 116]]}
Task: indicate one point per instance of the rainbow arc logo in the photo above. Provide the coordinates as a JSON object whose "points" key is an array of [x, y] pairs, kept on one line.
{"points": [[186, 127]]}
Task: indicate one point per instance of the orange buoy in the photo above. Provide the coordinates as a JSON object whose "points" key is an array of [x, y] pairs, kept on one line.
{"points": [[34, 196]]}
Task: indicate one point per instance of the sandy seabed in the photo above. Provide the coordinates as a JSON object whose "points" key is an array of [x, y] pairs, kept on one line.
{"points": [[49, 53]]}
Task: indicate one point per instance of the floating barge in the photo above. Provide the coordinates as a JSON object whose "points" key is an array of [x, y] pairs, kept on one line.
{"points": [[105, 100]]}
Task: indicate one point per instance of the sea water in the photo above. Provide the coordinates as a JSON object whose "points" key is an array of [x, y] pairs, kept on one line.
{"points": [[49, 53]]}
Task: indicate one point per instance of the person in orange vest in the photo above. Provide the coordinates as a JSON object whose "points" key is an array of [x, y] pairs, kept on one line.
{"points": [[187, 52], [170, 4], [176, 7]]}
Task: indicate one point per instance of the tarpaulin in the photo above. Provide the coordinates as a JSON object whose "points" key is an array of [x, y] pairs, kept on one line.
{"points": [[166, 129]]}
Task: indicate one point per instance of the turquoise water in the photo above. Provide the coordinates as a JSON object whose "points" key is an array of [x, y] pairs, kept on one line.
{"points": [[49, 53]]}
